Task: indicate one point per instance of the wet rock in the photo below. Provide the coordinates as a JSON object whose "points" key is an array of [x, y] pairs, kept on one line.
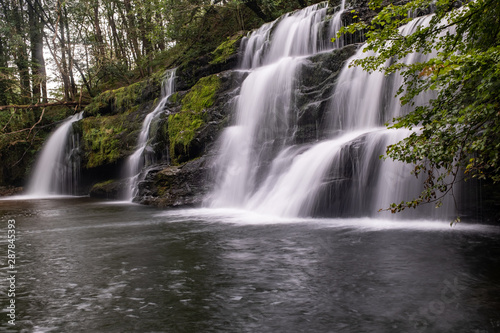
{"points": [[111, 189]]}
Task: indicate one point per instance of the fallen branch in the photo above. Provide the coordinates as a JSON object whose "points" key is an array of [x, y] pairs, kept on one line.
{"points": [[41, 105]]}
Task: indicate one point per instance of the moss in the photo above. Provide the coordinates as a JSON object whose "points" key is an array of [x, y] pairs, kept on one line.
{"points": [[101, 139], [183, 126], [125, 99], [226, 49], [103, 184], [174, 98]]}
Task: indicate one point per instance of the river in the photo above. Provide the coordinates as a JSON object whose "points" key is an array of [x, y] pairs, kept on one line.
{"points": [[90, 266]]}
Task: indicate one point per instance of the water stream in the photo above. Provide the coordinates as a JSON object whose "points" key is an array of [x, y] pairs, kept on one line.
{"points": [[261, 168], [57, 168], [144, 155]]}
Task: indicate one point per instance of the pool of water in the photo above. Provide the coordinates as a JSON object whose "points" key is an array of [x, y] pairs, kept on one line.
{"points": [[90, 266]]}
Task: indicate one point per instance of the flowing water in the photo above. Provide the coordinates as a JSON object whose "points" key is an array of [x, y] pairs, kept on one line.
{"points": [[144, 155], [261, 168], [83, 265], [89, 266], [57, 169]]}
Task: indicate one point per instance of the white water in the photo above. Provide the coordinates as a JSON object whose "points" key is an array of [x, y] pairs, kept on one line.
{"points": [[298, 33], [259, 169], [144, 155], [57, 168]]}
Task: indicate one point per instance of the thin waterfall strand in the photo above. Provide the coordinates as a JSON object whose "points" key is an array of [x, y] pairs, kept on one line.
{"points": [[142, 157]]}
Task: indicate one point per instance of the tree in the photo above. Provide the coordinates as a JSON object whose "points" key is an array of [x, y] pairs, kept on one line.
{"points": [[38, 72], [458, 132]]}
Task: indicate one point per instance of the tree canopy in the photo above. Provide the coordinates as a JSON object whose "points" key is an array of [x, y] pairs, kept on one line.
{"points": [[93, 45], [457, 134]]}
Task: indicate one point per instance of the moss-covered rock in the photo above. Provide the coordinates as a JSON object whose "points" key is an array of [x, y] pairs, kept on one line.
{"points": [[184, 126], [101, 140], [227, 49], [110, 189], [125, 99]]}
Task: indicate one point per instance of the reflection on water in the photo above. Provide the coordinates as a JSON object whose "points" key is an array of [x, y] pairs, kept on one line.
{"points": [[86, 266]]}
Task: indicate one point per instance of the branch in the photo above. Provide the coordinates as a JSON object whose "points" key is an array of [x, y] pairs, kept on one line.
{"points": [[41, 105]]}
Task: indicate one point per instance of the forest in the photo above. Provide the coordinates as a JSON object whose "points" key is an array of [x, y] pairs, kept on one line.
{"points": [[94, 45]]}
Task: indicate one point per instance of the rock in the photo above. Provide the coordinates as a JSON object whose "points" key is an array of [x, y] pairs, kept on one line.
{"points": [[6, 191], [174, 186], [315, 92], [111, 189]]}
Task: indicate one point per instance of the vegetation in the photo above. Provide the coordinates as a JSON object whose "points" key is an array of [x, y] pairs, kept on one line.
{"points": [[183, 126], [101, 139], [101, 43], [226, 49], [458, 134]]}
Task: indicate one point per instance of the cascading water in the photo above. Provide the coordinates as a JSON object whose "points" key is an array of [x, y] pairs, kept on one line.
{"points": [[144, 154], [57, 169], [260, 167]]}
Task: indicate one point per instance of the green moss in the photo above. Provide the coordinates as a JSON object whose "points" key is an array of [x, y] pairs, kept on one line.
{"points": [[183, 126], [101, 139], [103, 184], [225, 50], [201, 96], [174, 98], [125, 99]]}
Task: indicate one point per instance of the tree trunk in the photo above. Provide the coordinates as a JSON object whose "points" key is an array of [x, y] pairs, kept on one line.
{"points": [[39, 79], [62, 44], [69, 49], [119, 49], [21, 57], [98, 33], [254, 7], [132, 33]]}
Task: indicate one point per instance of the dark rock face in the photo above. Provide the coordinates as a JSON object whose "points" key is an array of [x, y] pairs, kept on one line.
{"points": [[174, 186], [189, 73], [315, 92], [187, 184]]}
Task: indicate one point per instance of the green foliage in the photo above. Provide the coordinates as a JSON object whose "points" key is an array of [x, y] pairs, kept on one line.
{"points": [[101, 139], [457, 132], [20, 141], [225, 50], [183, 126]]}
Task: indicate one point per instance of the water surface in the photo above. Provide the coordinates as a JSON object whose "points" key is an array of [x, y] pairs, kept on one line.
{"points": [[90, 266]]}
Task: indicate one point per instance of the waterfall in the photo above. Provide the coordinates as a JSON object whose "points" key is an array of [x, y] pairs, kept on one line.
{"points": [[57, 168], [261, 168], [294, 34], [144, 155]]}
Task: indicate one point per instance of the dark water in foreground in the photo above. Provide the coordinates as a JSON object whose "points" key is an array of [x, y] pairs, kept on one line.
{"points": [[87, 266]]}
